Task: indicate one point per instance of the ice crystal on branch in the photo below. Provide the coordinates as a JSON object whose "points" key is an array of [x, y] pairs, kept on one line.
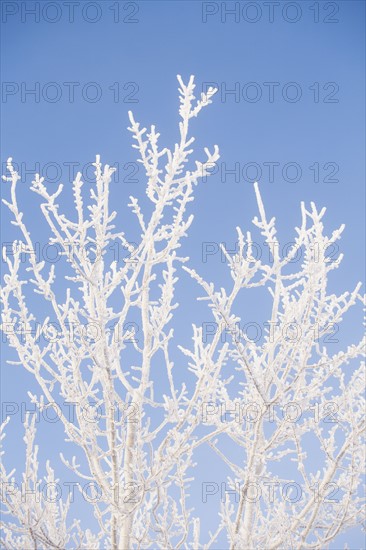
{"points": [[142, 461]]}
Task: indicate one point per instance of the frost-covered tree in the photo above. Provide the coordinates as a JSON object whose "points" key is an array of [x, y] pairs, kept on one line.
{"points": [[143, 460]]}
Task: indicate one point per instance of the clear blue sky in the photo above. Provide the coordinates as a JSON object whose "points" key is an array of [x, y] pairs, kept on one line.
{"points": [[302, 63]]}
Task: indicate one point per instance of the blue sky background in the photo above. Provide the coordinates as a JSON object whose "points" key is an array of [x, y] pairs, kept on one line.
{"points": [[140, 59]]}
